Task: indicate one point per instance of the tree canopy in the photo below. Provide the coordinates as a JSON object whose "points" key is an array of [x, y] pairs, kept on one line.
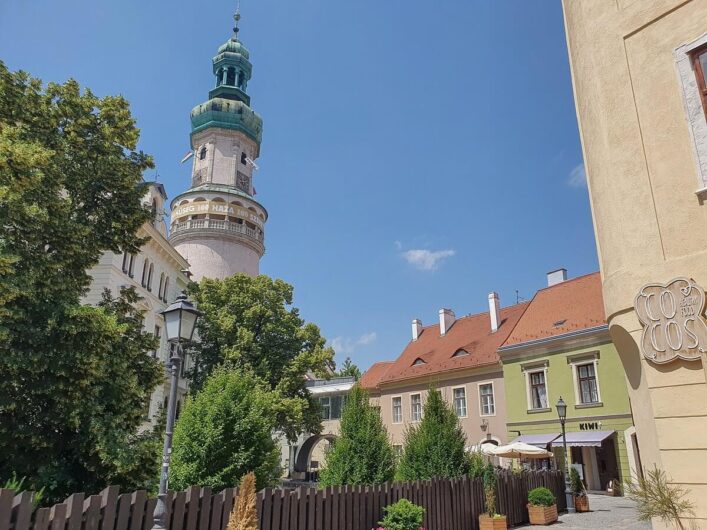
{"points": [[74, 378], [349, 369], [224, 432], [362, 453], [436, 447], [250, 324]]}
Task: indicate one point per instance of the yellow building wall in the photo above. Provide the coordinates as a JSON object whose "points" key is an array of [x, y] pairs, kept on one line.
{"points": [[642, 172]]}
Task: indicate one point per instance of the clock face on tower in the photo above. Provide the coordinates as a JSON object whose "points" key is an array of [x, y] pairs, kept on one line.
{"points": [[243, 182]]}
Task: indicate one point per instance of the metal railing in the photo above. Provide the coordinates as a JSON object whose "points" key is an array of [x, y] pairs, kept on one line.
{"points": [[216, 224]]}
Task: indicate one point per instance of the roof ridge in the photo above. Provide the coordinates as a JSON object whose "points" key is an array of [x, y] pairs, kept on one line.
{"points": [[470, 315], [583, 276]]}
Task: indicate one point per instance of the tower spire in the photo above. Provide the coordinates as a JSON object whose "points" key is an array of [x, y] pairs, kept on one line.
{"points": [[237, 19]]}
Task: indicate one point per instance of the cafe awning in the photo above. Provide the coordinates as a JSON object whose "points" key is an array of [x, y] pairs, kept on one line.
{"points": [[538, 440], [584, 438]]}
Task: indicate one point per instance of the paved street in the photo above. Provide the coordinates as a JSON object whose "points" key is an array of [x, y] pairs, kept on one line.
{"points": [[607, 512]]}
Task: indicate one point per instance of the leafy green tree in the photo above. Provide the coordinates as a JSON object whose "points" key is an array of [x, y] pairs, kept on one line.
{"points": [[224, 432], [435, 447], [349, 369], [362, 454], [72, 376], [250, 324]]}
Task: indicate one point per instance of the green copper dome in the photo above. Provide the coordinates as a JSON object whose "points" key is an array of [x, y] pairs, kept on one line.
{"points": [[234, 46]]}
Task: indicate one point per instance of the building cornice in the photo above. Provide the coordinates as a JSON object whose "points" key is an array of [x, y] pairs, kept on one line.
{"points": [[447, 375], [573, 339], [165, 246]]}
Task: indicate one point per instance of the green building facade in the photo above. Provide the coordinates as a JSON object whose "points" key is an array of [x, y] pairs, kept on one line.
{"points": [[561, 352]]}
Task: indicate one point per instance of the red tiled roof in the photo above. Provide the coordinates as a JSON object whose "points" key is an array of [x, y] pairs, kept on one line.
{"points": [[374, 374], [569, 306], [471, 333]]}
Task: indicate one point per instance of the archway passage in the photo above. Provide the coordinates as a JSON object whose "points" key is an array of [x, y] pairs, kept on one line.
{"points": [[306, 450]]}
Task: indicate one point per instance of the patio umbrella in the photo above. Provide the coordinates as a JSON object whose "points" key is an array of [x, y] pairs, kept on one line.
{"points": [[521, 450]]}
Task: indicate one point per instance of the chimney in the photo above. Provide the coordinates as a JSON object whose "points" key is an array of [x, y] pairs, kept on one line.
{"points": [[446, 319], [416, 328], [556, 276], [494, 311]]}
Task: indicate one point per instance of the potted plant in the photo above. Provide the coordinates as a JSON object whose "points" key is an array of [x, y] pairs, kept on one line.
{"points": [[581, 501], [402, 515], [491, 520], [541, 506]]}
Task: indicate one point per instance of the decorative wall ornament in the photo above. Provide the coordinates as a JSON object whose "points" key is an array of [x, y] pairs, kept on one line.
{"points": [[672, 315]]}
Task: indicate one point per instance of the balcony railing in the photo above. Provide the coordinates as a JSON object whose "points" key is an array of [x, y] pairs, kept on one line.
{"points": [[216, 224]]}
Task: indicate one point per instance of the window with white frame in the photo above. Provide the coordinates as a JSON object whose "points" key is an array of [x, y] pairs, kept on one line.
{"points": [[587, 380], [460, 401], [397, 409], [538, 389], [487, 401], [416, 407], [325, 403]]}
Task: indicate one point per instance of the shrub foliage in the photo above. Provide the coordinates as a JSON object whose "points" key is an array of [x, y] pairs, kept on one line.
{"points": [[362, 454], [224, 432], [541, 497], [403, 515], [437, 446]]}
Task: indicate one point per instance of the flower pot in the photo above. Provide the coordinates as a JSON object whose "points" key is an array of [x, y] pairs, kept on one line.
{"points": [[581, 503], [492, 523], [542, 514]]}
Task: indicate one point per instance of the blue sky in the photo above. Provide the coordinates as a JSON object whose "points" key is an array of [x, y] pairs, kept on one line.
{"points": [[416, 155]]}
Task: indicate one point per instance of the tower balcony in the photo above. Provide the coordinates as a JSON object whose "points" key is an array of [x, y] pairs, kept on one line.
{"points": [[217, 228]]}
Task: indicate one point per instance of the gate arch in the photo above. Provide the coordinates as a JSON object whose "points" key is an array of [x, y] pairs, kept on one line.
{"points": [[306, 450]]}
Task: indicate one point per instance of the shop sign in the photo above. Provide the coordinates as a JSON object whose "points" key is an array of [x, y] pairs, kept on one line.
{"points": [[590, 426], [672, 316]]}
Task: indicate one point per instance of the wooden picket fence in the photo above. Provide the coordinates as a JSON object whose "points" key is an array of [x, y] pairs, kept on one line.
{"points": [[450, 505]]}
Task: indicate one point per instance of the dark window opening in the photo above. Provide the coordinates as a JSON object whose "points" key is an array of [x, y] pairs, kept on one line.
{"points": [[202, 153], [231, 77], [243, 159], [699, 65]]}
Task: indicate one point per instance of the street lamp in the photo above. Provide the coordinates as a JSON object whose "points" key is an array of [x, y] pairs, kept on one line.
{"points": [[562, 413], [180, 321]]}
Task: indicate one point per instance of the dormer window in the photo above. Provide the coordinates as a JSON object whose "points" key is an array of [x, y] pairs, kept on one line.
{"points": [[558, 323], [418, 362], [460, 353], [202, 153]]}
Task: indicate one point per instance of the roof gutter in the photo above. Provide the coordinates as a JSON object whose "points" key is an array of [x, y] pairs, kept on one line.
{"points": [[546, 341]]}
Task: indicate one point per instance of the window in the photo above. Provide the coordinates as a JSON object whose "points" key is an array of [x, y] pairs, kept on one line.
{"points": [[160, 294], [244, 158], [158, 336], [418, 362], [231, 77], [460, 353], [131, 266], [587, 379], [460, 402], [325, 403], [336, 407], [149, 277], [183, 370], [145, 266], [538, 391], [165, 294], [699, 65], [397, 409], [416, 407], [486, 399], [126, 258], [202, 153]]}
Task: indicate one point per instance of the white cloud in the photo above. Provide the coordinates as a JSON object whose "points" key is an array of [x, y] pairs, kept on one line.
{"points": [[347, 345], [577, 177], [427, 260]]}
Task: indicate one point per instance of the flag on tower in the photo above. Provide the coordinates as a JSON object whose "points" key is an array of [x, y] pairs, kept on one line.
{"points": [[249, 161], [187, 156]]}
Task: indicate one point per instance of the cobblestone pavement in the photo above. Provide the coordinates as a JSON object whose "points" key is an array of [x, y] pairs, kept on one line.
{"points": [[606, 512]]}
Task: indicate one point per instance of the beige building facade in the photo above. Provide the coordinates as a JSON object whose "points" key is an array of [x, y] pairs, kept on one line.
{"points": [[158, 274], [640, 95]]}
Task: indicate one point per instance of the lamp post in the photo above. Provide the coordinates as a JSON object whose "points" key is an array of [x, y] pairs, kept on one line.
{"points": [[562, 413], [180, 320]]}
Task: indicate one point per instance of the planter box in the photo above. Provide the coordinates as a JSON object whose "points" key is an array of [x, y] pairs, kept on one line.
{"points": [[581, 503], [542, 514], [492, 523]]}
